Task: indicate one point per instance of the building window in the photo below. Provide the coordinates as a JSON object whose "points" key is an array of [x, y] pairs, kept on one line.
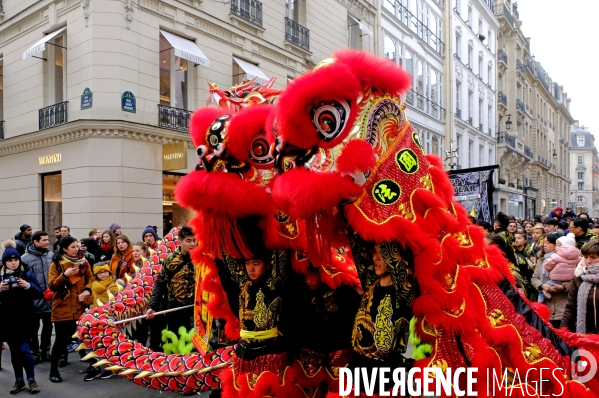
{"points": [[389, 48], [490, 119], [470, 152], [1, 89], [458, 46], [57, 73], [480, 67], [354, 34], [470, 60], [470, 104], [51, 201], [480, 27], [458, 95], [435, 145], [420, 83], [470, 16], [292, 10], [581, 185], [173, 77], [480, 155], [580, 140], [434, 97], [480, 113], [457, 6], [489, 41], [580, 159], [581, 175], [580, 198]]}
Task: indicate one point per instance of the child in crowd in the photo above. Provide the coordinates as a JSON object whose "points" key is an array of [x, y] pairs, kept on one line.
{"points": [[560, 265], [18, 288], [104, 282]]}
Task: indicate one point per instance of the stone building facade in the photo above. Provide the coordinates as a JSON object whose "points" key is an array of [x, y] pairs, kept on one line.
{"points": [[470, 86], [412, 36], [92, 90], [533, 113], [584, 171]]}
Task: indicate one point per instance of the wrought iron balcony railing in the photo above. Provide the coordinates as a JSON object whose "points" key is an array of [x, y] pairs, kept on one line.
{"points": [[458, 113], [480, 127], [502, 56], [520, 67], [520, 107], [296, 34], [508, 139], [173, 118], [502, 98], [543, 161], [1, 121], [528, 152], [470, 120], [426, 105], [490, 132], [504, 11], [420, 28], [489, 4], [249, 10], [53, 115]]}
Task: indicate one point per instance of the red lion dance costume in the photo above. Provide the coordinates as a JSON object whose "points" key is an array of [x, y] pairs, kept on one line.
{"points": [[335, 163]]}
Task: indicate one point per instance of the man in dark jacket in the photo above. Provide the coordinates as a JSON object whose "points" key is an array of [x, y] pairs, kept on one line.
{"points": [[37, 259], [23, 238], [175, 285], [580, 228]]}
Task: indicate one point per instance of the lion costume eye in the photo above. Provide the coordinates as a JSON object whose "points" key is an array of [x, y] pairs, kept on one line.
{"points": [[329, 118], [260, 151]]}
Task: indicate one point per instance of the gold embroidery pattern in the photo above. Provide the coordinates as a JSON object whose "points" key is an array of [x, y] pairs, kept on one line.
{"points": [[427, 183], [383, 335], [260, 311]]}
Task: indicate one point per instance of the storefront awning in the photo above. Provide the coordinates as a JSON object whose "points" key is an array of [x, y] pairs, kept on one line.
{"points": [[251, 70], [40, 45], [363, 28], [186, 49]]}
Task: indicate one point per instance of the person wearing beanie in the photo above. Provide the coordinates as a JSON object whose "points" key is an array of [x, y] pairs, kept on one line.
{"points": [[115, 229], [557, 298], [557, 213], [23, 238], [150, 237], [18, 289]]}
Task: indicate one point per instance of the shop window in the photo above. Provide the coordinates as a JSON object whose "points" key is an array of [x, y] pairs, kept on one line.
{"points": [[354, 34], [51, 202], [174, 77], [172, 213]]}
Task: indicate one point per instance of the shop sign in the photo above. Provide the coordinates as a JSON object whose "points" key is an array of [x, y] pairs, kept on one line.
{"points": [[128, 102], [512, 197], [86, 99], [174, 156], [49, 159]]}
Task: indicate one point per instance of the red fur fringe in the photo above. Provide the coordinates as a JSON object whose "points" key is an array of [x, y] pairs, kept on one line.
{"points": [[358, 155], [244, 127], [381, 74], [333, 82]]}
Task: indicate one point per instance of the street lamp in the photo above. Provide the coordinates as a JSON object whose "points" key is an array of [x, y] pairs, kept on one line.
{"points": [[508, 124]]}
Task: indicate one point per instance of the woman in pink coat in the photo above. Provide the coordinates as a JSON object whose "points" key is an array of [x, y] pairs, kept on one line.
{"points": [[560, 266]]}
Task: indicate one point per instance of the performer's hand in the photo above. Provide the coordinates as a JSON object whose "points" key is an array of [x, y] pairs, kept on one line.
{"points": [[150, 313]]}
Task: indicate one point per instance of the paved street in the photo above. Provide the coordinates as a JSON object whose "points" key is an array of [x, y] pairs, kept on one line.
{"points": [[73, 384]]}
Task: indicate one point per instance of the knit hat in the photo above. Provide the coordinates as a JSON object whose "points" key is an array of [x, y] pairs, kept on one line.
{"points": [[10, 251], [568, 240], [113, 227], [149, 229], [24, 227], [102, 266]]}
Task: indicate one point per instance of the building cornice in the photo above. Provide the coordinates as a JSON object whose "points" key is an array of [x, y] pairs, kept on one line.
{"points": [[86, 128]]}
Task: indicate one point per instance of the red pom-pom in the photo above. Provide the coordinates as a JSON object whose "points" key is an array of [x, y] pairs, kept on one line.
{"points": [[358, 155]]}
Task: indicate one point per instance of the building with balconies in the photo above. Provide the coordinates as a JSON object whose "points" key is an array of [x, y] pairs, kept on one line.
{"points": [[470, 82], [412, 37], [584, 171], [92, 91], [533, 118]]}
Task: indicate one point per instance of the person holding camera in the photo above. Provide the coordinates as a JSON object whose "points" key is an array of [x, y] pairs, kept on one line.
{"points": [[18, 289], [70, 278]]}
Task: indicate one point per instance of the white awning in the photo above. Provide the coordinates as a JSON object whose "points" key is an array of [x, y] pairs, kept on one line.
{"points": [[187, 49], [40, 46], [363, 28], [252, 71]]}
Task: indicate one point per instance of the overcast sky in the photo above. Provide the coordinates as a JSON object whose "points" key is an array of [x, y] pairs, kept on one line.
{"points": [[561, 32]]}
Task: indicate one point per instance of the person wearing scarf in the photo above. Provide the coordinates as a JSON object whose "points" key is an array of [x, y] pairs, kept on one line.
{"points": [[104, 282], [122, 260], [106, 246], [581, 312], [70, 278]]}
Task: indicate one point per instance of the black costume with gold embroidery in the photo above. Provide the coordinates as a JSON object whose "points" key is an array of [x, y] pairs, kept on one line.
{"points": [[381, 327]]}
